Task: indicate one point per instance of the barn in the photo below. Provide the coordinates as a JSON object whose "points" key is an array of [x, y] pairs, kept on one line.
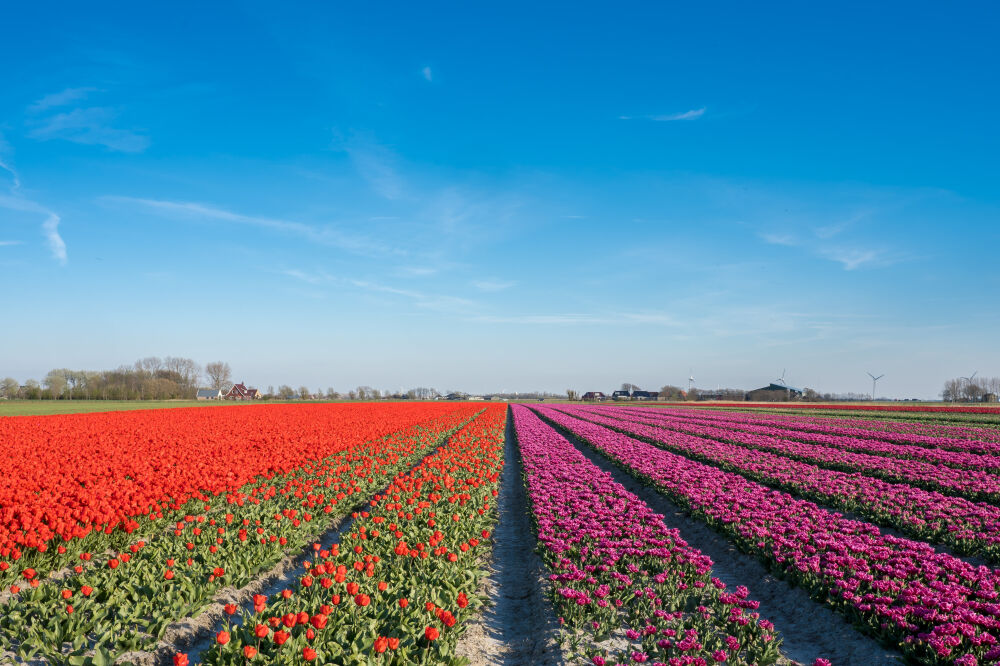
{"points": [[774, 393]]}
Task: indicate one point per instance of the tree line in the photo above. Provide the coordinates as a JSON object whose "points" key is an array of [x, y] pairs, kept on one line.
{"points": [[970, 389], [149, 378]]}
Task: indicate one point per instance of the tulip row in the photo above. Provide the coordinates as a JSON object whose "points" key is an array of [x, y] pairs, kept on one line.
{"points": [[399, 586], [968, 527], [91, 482], [975, 485], [941, 456], [621, 575], [842, 408], [936, 608], [935, 437], [128, 600]]}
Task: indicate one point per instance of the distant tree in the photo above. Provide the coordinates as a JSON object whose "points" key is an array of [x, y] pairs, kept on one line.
{"points": [[32, 389], [9, 387], [571, 394], [55, 382], [670, 392], [630, 387], [692, 394], [286, 392], [187, 369], [810, 394], [331, 394], [304, 393], [220, 375], [150, 364], [270, 391]]}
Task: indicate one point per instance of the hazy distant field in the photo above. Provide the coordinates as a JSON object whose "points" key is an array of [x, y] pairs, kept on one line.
{"points": [[42, 407]]}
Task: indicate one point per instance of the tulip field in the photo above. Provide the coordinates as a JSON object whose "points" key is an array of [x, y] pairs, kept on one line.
{"points": [[365, 533]]}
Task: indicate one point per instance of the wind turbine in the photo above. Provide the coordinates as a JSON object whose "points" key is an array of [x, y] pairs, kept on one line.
{"points": [[781, 382], [874, 379], [968, 380], [690, 379]]}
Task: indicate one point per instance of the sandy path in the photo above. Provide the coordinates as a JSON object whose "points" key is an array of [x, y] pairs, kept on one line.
{"points": [[808, 629], [519, 626]]}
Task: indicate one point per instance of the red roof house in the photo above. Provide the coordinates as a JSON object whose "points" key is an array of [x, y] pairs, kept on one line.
{"points": [[241, 392]]}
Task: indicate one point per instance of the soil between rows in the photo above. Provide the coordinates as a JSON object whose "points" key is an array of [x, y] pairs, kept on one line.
{"points": [[808, 629], [518, 627]]}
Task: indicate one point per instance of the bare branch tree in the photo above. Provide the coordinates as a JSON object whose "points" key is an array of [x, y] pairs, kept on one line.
{"points": [[220, 375]]}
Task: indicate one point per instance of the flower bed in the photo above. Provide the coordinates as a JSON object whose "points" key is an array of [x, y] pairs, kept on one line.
{"points": [[930, 449], [975, 485], [123, 601], [402, 582], [969, 527], [627, 587], [934, 607]]}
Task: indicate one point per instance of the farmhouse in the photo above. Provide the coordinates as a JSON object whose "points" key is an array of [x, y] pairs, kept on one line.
{"points": [[645, 395], [241, 392], [621, 395], [594, 396], [209, 394]]}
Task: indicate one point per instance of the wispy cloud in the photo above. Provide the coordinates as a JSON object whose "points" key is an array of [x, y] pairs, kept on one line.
{"points": [[779, 239], [416, 271], [854, 258], [572, 319], [437, 302], [15, 201], [311, 278], [692, 114], [50, 227], [87, 125], [7, 166], [61, 98], [90, 126], [493, 285], [376, 164], [8, 243], [327, 235], [427, 74]]}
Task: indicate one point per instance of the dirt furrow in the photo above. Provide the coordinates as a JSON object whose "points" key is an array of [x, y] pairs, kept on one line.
{"points": [[518, 627]]}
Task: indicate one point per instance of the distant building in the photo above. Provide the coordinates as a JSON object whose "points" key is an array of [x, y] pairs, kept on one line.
{"points": [[621, 395], [645, 395], [774, 393], [208, 394], [594, 396], [475, 397], [990, 397], [241, 392], [453, 396]]}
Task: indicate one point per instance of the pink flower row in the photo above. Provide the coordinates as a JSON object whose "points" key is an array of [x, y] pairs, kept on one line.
{"points": [[973, 440], [935, 606], [972, 484], [969, 527], [841, 440], [619, 572]]}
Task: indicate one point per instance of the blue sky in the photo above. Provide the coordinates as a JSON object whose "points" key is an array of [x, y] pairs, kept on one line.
{"points": [[506, 196]]}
